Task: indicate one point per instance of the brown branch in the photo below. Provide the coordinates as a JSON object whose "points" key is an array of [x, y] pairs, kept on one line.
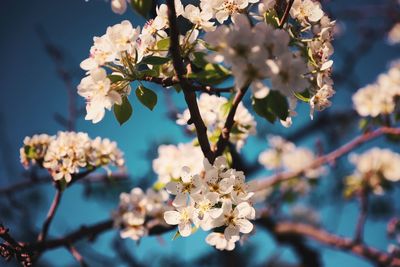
{"points": [[286, 13], [223, 139], [190, 95], [328, 158], [363, 198], [83, 232], [75, 253], [170, 81], [89, 232], [12, 248], [336, 242], [50, 215]]}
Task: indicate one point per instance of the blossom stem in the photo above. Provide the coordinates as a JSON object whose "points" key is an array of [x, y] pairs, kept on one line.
{"points": [[363, 198], [286, 13], [75, 253], [223, 139], [50, 215]]}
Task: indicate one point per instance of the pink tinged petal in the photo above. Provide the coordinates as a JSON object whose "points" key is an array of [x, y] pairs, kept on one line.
{"points": [[180, 200], [245, 226], [231, 231], [89, 64], [172, 217], [185, 229], [215, 213], [220, 162], [212, 197], [185, 175], [316, 15], [226, 185], [221, 16], [174, 188], [243, 209]]}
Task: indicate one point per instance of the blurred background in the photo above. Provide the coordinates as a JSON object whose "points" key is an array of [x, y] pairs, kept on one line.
{"points": [[42, 44]]}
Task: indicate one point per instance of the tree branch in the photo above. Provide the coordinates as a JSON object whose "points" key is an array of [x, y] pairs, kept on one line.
{"points": [[12, 248], [328, 158], [50, 215], [286, 13], [190, 96], [75, 253], [170, 81], [363, 197], [223, 139], [375, 256]]}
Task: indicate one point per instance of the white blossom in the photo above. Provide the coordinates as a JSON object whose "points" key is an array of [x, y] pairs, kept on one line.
{"points": [[394, 34], [304, 10], [171, 159], [219, 241], [379, 97], [135, 208], [68, 153], [214, 111]]}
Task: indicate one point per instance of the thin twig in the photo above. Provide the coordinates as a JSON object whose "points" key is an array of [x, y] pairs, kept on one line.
{"points": [[190, 96], [328, 158], [50, 215], [286, 13], [363, 198], [223, 139], [75, 253]]}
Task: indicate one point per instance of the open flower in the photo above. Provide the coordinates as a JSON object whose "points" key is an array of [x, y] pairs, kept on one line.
{"points": [[236, 219], [219, 241], [184, 217], [188, 185]]}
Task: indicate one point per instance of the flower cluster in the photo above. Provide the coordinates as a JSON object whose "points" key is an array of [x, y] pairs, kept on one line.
{"points": [[374, 169], [295, 59], [136, 208], [69, 153], [257, 53], [171, 159], [379, 98], [218, 198], [214, 111], [284, 155]]}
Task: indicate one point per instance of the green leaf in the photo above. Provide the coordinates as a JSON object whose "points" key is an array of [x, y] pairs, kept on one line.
{"points": [[164, 44], [302, 97], [147, 97], [211, 74], [260, 106], [142, 7], [272, 106], [199, 60], [124, 111], [278, 104], [149, 72], [153, 60], [115, 78], [271, 18]]}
